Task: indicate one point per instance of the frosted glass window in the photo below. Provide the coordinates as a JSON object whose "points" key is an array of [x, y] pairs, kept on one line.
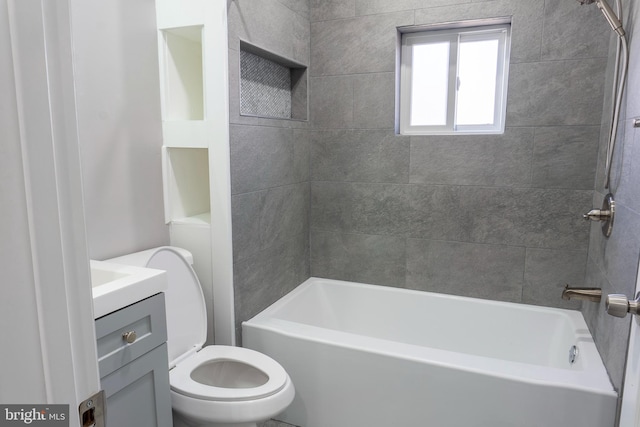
{"points": [[454, 81], [477, 70], [430, 83]]}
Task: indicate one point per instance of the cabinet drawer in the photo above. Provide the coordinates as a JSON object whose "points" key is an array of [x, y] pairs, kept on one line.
{"points": [[146, 318]]}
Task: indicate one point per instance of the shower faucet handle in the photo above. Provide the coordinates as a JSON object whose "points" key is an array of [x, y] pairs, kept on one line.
{"points": [[618, 305], [605, 214]]}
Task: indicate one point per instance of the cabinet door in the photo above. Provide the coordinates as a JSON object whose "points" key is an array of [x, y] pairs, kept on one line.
{"points": [[138, 393]]}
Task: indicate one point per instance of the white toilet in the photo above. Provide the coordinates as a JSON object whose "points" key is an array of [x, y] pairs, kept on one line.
{"points": [[215, 385]]}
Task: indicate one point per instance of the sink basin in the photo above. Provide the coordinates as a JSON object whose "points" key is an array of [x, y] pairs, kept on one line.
{"points": [[116, 286]]}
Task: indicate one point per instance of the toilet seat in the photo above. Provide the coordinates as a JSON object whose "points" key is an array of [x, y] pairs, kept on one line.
{"points": [[182, 382]]}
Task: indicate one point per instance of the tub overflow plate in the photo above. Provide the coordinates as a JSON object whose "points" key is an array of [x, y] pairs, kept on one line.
{"points": [[573, 354]]}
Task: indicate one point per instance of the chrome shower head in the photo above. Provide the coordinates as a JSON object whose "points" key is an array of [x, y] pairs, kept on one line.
{"points": [[608, 13]]}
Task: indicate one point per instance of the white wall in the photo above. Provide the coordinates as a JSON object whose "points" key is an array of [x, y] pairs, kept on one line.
{"points": [[120, 130]]}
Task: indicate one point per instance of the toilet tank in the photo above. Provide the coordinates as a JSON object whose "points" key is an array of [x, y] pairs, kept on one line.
{"points": [[139, 259], [185, 303]]}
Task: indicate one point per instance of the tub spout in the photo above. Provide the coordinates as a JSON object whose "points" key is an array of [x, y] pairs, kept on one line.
{"points": [[585, 294]]}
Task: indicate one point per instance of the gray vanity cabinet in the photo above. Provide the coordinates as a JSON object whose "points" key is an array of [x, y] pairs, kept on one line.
{"points": [[132, 358]]}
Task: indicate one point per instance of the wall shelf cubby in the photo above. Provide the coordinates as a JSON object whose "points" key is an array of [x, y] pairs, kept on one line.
{"points": [[271, 86], [194, 92], [182, 73], [186, 185]]}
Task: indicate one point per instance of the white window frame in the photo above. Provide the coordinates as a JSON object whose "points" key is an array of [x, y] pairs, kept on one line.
{"points": [[501, 32]]}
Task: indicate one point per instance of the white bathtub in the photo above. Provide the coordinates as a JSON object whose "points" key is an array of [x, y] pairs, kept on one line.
{"points": [[367, 356]]}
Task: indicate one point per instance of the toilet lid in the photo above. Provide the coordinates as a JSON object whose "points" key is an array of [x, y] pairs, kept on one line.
{"points": [[192, 378], [186, 310]]}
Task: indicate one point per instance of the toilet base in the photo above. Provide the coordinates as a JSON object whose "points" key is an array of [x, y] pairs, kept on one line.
{"points": [[235, 425], [179, 421]]}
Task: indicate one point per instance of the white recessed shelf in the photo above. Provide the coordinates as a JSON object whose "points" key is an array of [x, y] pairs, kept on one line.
{"points": [[182, 73], [187, 199]]}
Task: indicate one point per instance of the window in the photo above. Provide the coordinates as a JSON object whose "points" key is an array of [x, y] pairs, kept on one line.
{"points": [[454, 80]]}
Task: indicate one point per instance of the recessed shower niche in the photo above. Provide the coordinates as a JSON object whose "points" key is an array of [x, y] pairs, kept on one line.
{"points": [[271, 86]]}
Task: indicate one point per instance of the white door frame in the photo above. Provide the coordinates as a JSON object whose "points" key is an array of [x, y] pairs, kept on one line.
{"points": [[62, 341]]}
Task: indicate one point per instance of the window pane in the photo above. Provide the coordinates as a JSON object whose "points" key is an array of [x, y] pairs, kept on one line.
{"points": [[430, 77], [477, 71]]}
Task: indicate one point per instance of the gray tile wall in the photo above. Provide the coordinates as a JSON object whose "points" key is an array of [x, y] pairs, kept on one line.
{"points": [[269, 165], [612, 263], [493, 216], [488, 216]]}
